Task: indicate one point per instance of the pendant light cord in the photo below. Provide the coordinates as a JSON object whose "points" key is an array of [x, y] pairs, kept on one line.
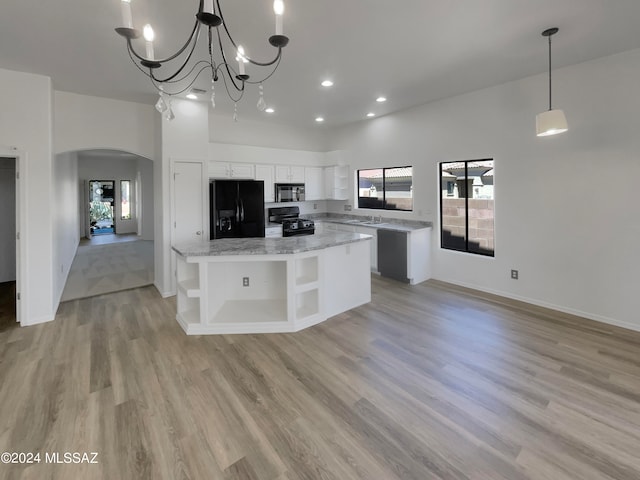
{"points": [[550, 72]]}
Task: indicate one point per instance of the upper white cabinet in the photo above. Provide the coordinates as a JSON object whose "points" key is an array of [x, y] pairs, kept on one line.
{"points": [[231, 170], [289, 174], [314, 183], [336, 180], [266, 174]]}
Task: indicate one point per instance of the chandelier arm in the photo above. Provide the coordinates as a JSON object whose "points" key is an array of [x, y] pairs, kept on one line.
{"points": [[179, 71], [226, 86], [267, 64], [194, 34], [186, 75], [254, 62], [129, 51], [226, 64], [254, 82], [202, 69]]}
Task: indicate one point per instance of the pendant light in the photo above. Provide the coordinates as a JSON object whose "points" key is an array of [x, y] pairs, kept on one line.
{"points": [[551, 122]]}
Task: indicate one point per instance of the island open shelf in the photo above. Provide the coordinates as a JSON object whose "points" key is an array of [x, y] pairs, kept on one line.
{"points": [[262, 285]]}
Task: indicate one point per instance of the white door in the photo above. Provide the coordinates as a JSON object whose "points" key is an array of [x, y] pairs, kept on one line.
{"points": [[188, 202], [87, 209]]}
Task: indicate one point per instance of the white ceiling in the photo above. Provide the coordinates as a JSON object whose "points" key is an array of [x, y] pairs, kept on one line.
{"points": [[411, 51]]}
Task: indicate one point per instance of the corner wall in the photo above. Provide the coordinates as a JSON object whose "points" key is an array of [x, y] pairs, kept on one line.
{"points": [[565, 206], [26, 124], [66, 221]]}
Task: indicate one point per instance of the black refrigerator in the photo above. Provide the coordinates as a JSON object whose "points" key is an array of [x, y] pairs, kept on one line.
{"points": [[236, 208]]}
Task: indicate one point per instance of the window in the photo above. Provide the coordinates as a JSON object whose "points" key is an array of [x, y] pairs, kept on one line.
{"points": [[125, 199], [386, 188], [467, 206]]}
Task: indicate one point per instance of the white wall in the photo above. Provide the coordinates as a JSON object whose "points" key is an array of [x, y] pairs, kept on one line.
{"points": [[222, 129], [226, 152], [145, 169], [116, 169], [66, 220], [25, 123], [7, 219], [84, 123], [184, 138], [574, 243]]}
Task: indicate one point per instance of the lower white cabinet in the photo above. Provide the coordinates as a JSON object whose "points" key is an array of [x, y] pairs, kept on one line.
{"points": [[374, 244]]}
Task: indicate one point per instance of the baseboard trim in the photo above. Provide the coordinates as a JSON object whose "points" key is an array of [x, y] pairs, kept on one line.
{"points": [[37, 320], [165, 294], [540, 303]]}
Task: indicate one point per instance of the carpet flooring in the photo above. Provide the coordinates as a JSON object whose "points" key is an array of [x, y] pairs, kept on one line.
{"points": [[99, 269]]}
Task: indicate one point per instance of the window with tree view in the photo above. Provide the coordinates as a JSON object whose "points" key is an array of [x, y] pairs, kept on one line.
{"points": [[467, 206], [386, 188]]}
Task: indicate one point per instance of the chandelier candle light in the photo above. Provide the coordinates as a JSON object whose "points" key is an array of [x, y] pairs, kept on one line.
{"points": [[179, 79]]}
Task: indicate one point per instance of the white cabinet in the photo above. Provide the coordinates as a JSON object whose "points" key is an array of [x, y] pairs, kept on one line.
{"points": [[374, 244], [231, 170], [314, 183], [336, 180], [419, 255], [266, 174], [289, 174]]}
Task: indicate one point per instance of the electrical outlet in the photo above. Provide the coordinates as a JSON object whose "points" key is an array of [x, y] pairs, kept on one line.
{"points": [[514, 274], [245, 281], [347, 208], [315, 206]]}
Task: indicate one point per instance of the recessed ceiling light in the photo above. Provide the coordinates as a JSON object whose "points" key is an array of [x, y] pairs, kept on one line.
{"points": [[327, 83], [371, 114], [381, 99], [192, 96], [269, 110], [319, 119]]}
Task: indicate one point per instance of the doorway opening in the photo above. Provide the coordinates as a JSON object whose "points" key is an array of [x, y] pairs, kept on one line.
{"points": [[8, 251], [101, 207]]}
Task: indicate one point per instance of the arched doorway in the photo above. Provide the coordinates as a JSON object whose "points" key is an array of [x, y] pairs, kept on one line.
{"points": [[120, 257]]}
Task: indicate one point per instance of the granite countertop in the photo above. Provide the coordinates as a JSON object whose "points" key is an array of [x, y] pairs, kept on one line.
{"points": [[268, 246], [359, 221]]}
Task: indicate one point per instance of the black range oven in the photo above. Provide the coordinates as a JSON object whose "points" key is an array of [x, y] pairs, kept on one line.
{"points": [[291, 222]]}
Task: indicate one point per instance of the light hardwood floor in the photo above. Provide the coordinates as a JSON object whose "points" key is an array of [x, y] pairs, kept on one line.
{"points": [[425, 382]]}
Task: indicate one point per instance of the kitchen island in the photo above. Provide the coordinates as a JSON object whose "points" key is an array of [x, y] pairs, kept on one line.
{"points": [[267, 285]]}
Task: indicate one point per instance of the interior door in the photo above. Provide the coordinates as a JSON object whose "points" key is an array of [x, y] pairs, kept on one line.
{"points": [[188, 202], [87, 209]]}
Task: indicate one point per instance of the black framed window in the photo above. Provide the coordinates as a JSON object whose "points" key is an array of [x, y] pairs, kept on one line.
{"points": [[386, 188], [467, 206]]}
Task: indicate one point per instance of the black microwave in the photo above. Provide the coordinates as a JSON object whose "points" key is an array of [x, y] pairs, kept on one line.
{"points": [[289, 192]]}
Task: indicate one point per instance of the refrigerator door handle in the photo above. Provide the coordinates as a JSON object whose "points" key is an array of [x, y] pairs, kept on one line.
{"points": [[241, 210]]}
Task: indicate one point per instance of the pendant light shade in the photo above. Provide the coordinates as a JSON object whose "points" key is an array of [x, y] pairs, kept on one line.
{"points": [[551, 122]]}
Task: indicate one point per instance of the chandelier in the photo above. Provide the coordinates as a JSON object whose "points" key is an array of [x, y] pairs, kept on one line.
{"points": [[177, 73]]}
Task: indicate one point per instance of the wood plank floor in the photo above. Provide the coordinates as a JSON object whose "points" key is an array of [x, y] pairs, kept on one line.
{"points": [[425, 382]]}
